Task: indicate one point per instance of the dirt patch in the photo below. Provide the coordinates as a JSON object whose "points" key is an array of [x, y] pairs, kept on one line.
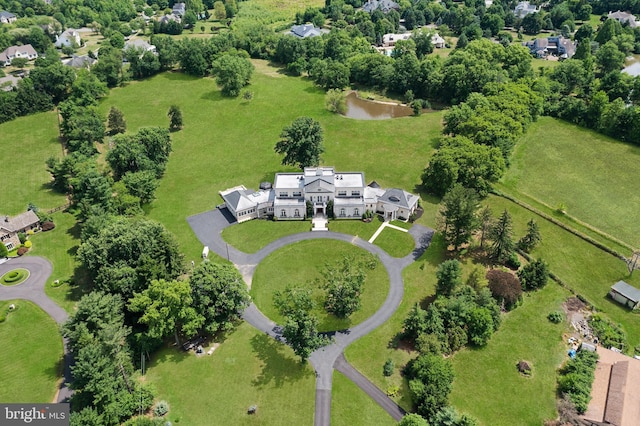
{"points": [[573, 304]]}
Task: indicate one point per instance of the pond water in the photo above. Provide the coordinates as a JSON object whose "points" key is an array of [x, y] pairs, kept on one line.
{"points": [[361, 109]]}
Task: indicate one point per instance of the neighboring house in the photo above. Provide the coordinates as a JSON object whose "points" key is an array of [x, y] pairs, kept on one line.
{"points": [[321, 187], [179, 9], [10, 53], [7, 17], [384, 5], [626, 295], [83, 61], [554, 46], [633, 70], [624, 18], [615, 394], [165, 19], [70, 37], [8, 82], [11, 227], [524, 8], [390, 40], [305, 31], [437, 41], [139, 43]]}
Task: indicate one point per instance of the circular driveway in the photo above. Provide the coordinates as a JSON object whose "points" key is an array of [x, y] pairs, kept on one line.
{"points": [[208, 228]]}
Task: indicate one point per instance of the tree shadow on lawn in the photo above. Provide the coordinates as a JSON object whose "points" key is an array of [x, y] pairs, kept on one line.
{"points": [[54, 372], [277, 367]]}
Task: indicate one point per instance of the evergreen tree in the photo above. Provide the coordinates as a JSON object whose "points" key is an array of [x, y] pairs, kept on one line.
{"points": [[502, 236], [175, 118], [531, 238], [116, 122]]}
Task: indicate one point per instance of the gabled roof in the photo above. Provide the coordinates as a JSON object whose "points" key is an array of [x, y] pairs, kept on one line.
{"points": [[23, 220], [319, 185], [26, 50], [399, 198], [5, 14], [83, 61], [306, 30], [627, 291], [383, 5], [633, 69]]}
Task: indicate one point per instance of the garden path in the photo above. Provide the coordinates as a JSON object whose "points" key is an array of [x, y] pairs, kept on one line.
{"points": [[208, 228]]}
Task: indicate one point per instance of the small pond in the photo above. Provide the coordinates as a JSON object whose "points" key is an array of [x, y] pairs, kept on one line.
{"points": [[361, 109]]}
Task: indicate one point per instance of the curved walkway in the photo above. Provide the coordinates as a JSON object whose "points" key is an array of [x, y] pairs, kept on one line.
{"points": [[208, 228], [32, 289]]}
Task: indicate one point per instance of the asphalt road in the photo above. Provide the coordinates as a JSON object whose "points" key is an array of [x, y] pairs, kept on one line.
{"points": [[208, 228]]}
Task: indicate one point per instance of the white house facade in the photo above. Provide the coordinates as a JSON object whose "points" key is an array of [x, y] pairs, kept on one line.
{"points": [[10, 53], [70, 38], [322, 188]]}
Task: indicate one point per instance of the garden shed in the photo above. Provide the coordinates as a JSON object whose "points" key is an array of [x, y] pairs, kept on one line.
{"points": [[625, 294]]}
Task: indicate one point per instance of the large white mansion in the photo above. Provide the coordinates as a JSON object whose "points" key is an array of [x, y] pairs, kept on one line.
{"points": [[320, 186]]}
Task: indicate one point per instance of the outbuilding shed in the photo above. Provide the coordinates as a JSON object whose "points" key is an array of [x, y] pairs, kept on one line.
{"points": [[625, 294]]}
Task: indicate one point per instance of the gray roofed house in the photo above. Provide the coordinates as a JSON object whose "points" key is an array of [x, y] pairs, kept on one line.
{"points": [[11, 227], [624, 18], [554, 45], [70, 37], [10, 53], [305, 31], [139, 43], [398, 204], [524, 8], [179, 9], [384, 5], [7, 17], [83, 61], [625, 294]]}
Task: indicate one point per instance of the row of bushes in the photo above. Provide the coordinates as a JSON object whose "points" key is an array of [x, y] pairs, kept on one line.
{"points": [[576, 378]]}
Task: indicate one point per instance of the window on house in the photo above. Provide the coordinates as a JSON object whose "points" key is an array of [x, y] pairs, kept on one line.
{"points": [[356, 212], [355, 193], [342, 212], [297, 194], [284, 194], [342, 193], [296, 213], [283, 213]]}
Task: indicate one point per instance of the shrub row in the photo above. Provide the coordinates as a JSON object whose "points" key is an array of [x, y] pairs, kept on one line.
{"points": [[576, 378]]}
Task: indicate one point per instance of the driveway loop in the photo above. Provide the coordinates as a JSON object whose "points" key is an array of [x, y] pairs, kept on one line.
{"points": [[208, 227]]}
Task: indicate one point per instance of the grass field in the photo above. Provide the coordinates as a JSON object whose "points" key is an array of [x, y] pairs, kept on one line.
{"points": [[588, 270], [248, 368], [31, 354], [278, 271], [487, 383], [253, 235], [29, 142], [591, 175], [228, 142], [395, 242], [350, 406]]}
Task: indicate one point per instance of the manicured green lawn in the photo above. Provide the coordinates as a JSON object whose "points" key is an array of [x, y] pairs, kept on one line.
{"points": [[301, 264], [248, 368], [27, 143], [592, 175], [350, 406], [227, 141], [59, 246], [487, 383], [363, 230], [31, 353], [14, 277], [253, 235], [395, 242]]}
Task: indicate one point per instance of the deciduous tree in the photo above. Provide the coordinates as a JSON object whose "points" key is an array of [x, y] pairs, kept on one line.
{"points": [[301, 143], [166, 308], [232, 73], [219, 294], [430, 379], [175, 118], [343, 283]]}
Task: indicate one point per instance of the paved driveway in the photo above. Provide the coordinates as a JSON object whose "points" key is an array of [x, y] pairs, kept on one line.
{"points": [[208, 228]]}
